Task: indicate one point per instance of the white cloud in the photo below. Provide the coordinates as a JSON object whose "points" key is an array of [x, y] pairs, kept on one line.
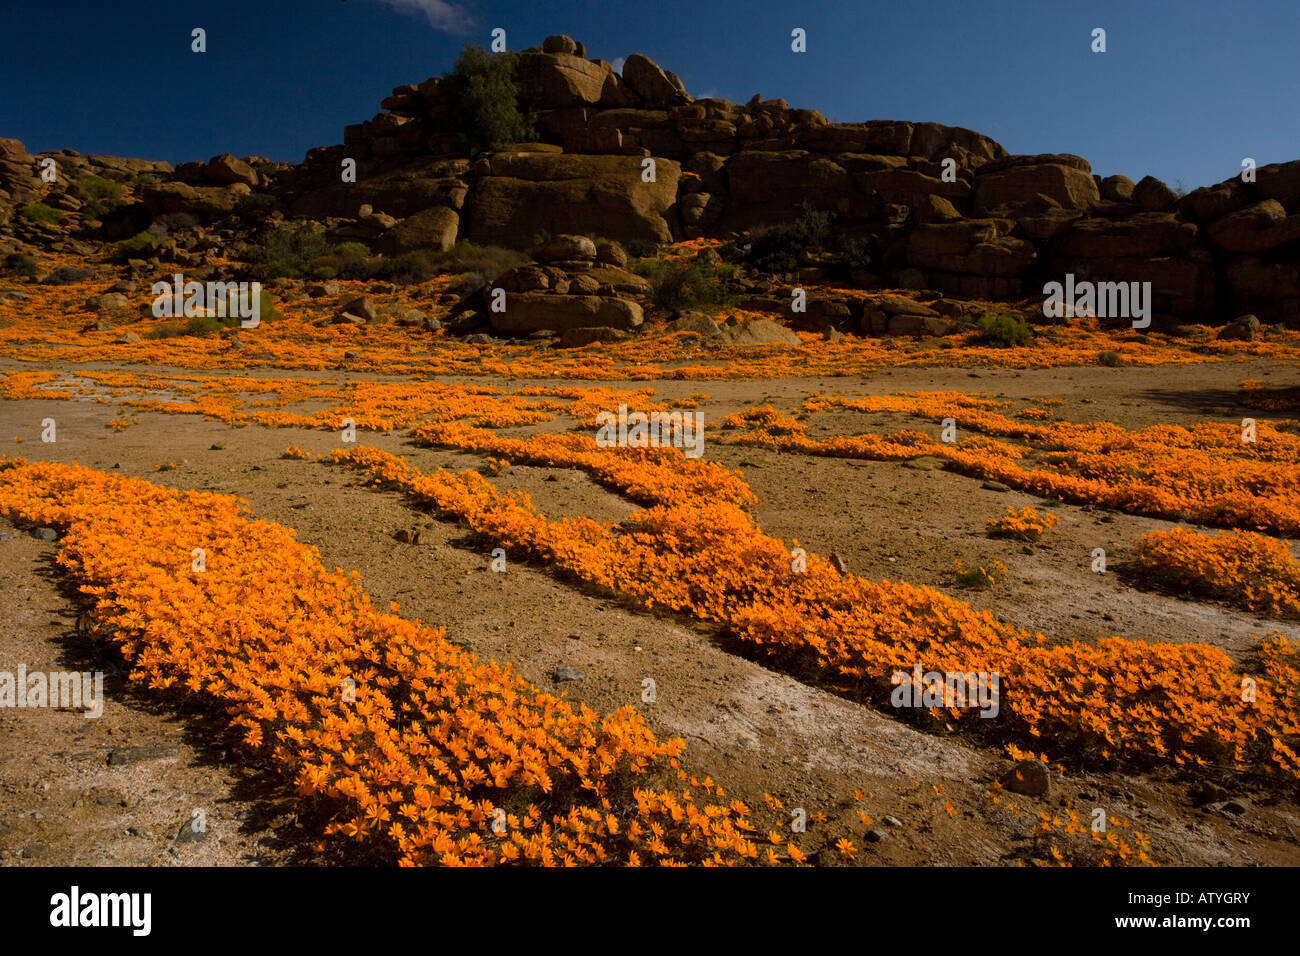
{"points": [[618, 65], [440, 14]]}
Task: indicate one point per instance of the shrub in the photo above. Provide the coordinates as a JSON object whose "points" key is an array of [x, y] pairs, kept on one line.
{"points": [[39, 212], [485, 262], [142, 245], [287, 250], [20, 264], [642, 248], [1005, 331], [776, 249], [484, 93], [687, 285], [254, 204], [324, 272], [102, 195], [978, 577], [1110, 359], [352, 250]]}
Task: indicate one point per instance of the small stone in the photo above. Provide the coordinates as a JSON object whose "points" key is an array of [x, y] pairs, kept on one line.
{"points": [[1028, 777], [45, 534], [893, 821], [188, 834], [875, 836], [1236, 807], [994, 486], [838, 563], [128, 755], [33, 851], [566, 673]]}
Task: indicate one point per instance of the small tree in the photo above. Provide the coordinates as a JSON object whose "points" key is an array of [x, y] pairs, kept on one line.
{"points": [[484, 95]]}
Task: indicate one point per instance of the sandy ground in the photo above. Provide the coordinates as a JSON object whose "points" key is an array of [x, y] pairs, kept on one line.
{"points": [[78, 791]]}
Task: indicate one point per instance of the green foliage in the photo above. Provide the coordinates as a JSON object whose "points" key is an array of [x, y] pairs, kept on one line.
{"points": [[352, 250], [287, 250], [484, 95], [102, 195], [200, 325], [20, 264], [1110, 359], [254, 204], [324, 272], [1005, 331], [688, 284], [642, 248], [777, 249], [39, 212], [142, 245]]}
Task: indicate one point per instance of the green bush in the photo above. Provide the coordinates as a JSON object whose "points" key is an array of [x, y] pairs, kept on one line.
{"points": [[1005, 331], [688, 284], [642, 248], [287, 250], [102, 195], [20, 264], [324, 272], [254, 204], [777, 249], [39, 212], [200, 325], [1110, 359], [352, 250], [142, 245], [483, 91]]}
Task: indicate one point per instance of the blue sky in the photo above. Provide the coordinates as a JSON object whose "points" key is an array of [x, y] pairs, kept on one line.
{"points": [[1184, 91]]}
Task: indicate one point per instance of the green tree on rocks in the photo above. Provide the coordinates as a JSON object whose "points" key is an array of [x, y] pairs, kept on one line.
{"points": [[484, 100]]}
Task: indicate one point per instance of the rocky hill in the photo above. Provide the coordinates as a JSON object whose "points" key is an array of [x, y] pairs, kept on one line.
{"points": [[939, 208]]}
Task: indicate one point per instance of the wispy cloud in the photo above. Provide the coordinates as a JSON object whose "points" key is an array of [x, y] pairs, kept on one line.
{"points": [[618, 65], [442, 15]]}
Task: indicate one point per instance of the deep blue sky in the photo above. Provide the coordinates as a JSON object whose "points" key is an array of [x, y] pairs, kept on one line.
{"points": [[1184, 91]]}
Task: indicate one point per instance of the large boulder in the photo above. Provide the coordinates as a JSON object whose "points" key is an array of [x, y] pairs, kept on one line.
{"points": [[524, 194], [657, 87], [760, 332], [772, 187], [1280, 181], [566, 248], [1144, 235], [201, 201], [557, 80], [1014, 182], [1256, 228], [982, 247], [225, 170], [529, 312], [434, 228]]}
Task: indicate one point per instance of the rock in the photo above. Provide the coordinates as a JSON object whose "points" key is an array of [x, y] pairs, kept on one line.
{"points": [[561, 80], [654, 85], [559, 44], [528, 312], [695, 322], [901, 305], [1151, 195], [926, 463], [110, 300], [875, 835], [981, 247], [478, 338], [129, 755], [565, 248], [583, 284], [362, 307], [1028, 777], [201, 201], [763, 332], [412, 318], [1211, 202], [1116, 188], [45, 534], [1243, 328], [1014, 186], [1256, 228], [68, 275], [893, 821], [189, 834], [434, 228], [577, 338], [611, 253], [527, 193], [1207, 792], [907, 324], [767, 187], [837, 562], [1236, 807], [127, 338], [318, 290], [225, 170], [33, 851], [565, 673], [995, 486], [1142, 236]]}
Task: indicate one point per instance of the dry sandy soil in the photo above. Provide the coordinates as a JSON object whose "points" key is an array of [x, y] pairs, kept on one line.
{"points": [[120, 789]]}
